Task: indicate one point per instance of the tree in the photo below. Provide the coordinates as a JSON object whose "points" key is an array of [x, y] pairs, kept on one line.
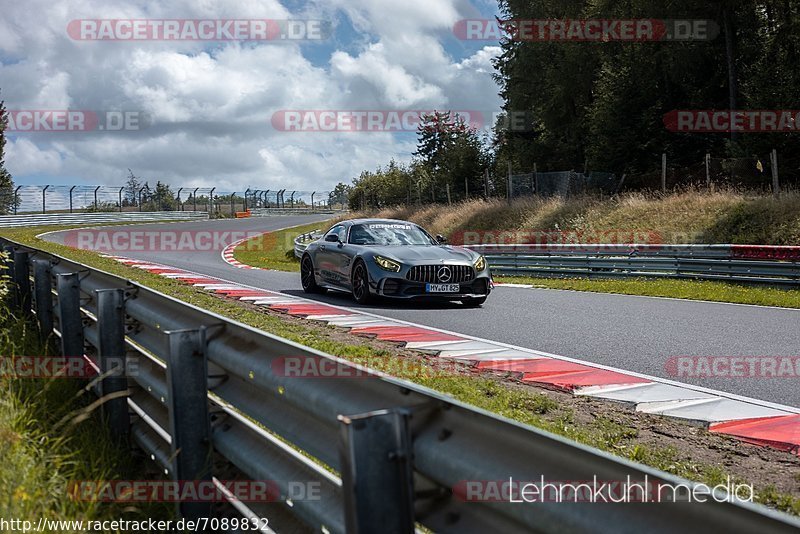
{"points": [[340, 193], [453, 154], [163, 198], [131, 191], [6, 182]]}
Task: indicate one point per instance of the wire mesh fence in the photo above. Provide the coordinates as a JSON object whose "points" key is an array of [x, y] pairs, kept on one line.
{"points": [[770, 171], [103, 198], [562, 183]]}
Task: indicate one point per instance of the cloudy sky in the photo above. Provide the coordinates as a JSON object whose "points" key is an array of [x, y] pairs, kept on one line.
{"points": [[206, 108]]}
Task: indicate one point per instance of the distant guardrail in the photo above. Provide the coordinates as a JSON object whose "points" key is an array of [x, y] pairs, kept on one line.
{"points": [[301, 242], [777, 265], [11, 221], [203, 394], [272, 212]]}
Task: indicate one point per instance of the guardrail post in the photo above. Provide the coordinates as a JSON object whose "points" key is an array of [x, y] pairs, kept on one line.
{"points": [[377, 478], [190, 428], [69, 309], [43, 293], [8, 266], [111, 350], [22, 282]]}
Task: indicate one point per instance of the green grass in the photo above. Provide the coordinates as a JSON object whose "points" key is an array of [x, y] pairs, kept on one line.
{"points": [[39, 458], [525, 405], [275, 250], [682, 289]]}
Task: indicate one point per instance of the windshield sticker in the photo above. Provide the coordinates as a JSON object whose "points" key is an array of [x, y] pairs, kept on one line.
{"points": [[396, 226]]}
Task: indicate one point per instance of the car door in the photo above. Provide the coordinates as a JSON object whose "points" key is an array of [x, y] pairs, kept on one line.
{"points": [[328, 257]]}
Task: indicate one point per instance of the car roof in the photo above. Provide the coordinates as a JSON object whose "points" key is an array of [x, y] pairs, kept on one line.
{"points": [[374, 221]]}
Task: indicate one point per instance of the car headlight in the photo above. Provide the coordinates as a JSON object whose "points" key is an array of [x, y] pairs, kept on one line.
{"points": [[387, 264], [480, 264]]}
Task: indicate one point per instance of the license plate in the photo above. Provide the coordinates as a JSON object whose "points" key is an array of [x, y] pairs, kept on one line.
{"points": [[442, 288]]}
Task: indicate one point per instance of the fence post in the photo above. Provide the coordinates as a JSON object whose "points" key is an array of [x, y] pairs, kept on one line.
{"points": [[447, 185], [119, 194], [377, 480], [486, 182], [44, 199], [509, 193], [664, 171], [190, 428], [211, 200], [69, 315], [96, 205], [22, 283], [466, 187], [16, 198], [774, 165], [71, 189], [43, 293], [194, 198], [111, 351], [708, 170]]}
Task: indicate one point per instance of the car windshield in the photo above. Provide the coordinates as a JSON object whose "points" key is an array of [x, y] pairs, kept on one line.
{"points": [[387, 234]]}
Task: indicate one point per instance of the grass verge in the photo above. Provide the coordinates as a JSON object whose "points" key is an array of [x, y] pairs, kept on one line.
{"points": [[707, 458], [40, 459], [275, 250]]}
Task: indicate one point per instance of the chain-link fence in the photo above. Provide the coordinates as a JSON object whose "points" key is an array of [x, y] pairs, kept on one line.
{"points": [[89, 198], [562, 183], [771, 171]]}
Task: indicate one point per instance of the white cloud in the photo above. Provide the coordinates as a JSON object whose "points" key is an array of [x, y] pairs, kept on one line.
{"points": [[211, 103]]}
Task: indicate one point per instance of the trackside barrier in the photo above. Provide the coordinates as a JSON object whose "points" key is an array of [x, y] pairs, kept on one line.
{"points": [[395, 450], [12, 221], [735, 263], [301, 242]]}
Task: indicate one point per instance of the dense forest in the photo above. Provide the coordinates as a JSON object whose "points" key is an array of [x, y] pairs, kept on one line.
{"points": [[606, 105]]}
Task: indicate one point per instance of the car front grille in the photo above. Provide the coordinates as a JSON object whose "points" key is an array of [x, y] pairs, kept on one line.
{"points": [[432, 274]]}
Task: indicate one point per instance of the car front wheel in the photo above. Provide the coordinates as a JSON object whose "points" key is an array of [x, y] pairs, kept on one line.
{"points": [[307, 276], [361, 284]]}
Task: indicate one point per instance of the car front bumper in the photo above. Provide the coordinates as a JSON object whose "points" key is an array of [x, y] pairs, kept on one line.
{"points": [[401, 288]]}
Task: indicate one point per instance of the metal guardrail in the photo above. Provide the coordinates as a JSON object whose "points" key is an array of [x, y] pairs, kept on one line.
{"points": [[734, 263], [198, 383], [12, 221], [301, 242], [271, 212]]}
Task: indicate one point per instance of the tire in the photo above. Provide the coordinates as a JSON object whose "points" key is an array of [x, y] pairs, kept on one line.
{"points": [[307, 276], [473, 302], [361, 284]]}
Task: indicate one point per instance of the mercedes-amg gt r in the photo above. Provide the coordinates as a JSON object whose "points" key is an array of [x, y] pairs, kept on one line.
{"points": [[397, 259]]}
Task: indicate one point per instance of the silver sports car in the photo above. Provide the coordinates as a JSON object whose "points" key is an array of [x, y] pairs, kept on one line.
{"points": [[397, 259]]}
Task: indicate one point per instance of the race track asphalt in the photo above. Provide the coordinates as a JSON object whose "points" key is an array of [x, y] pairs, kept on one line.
{"points": [[637, 334]]}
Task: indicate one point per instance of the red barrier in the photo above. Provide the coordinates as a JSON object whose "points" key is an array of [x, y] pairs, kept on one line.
{"points": [[761, 252]]}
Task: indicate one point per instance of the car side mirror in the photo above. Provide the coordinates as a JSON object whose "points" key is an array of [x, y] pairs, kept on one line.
{"points": [[332, 238], [442, 240]]}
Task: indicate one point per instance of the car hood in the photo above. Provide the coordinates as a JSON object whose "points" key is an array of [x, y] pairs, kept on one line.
{"points": [[425, 253]]}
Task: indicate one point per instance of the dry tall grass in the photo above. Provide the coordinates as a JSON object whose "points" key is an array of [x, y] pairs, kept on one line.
{"points": [[686, 216]]}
